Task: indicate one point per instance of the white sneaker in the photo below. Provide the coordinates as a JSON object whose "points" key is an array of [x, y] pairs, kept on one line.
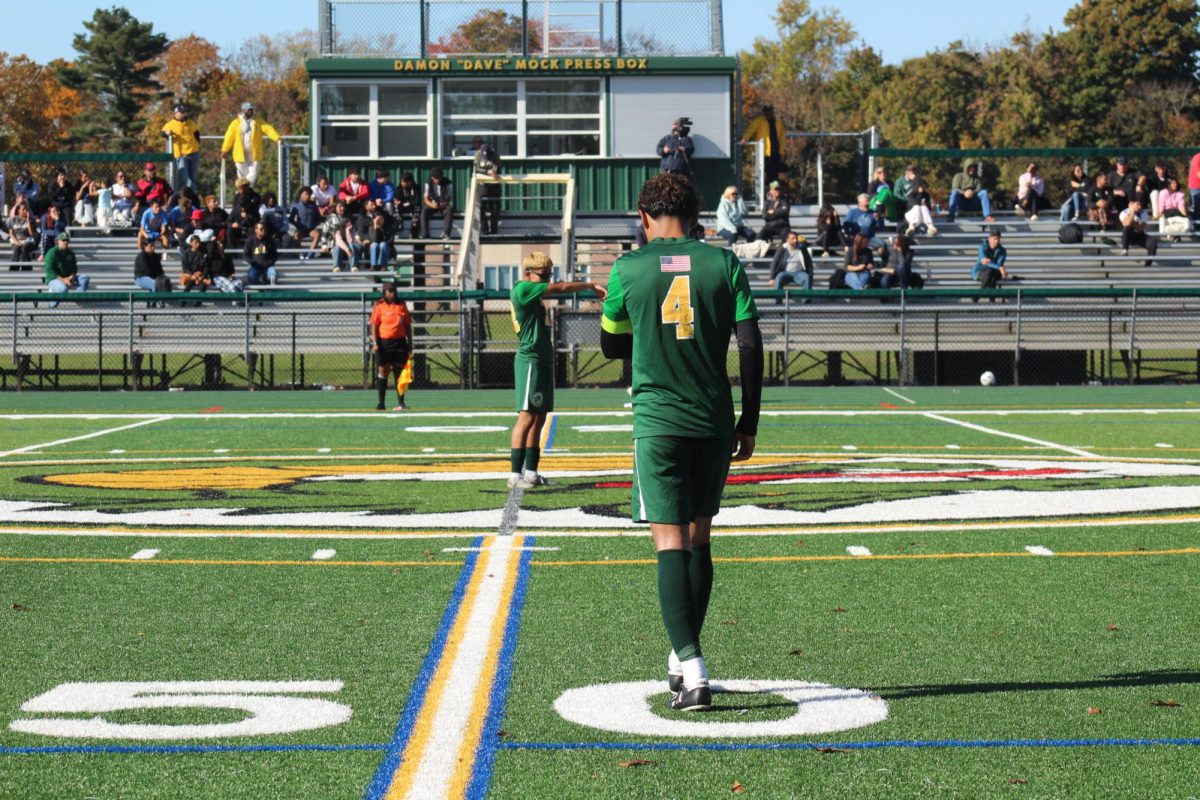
{"points": [[517, 482], [1033, 218]]}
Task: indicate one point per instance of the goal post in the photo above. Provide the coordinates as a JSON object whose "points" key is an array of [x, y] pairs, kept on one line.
{"points": [[468, 272]]}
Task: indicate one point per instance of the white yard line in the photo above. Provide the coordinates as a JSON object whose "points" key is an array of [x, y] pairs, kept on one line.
{"points": [[897, 394], [1017, 436], [93, 435], [144, 555], [442, 751]]}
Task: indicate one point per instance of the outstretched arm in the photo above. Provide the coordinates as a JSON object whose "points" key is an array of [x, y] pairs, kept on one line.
{"points": [[574, 287], [750, 360]]}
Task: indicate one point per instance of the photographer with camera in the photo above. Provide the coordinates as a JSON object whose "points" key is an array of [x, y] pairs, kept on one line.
{"points": [[676, 150]]}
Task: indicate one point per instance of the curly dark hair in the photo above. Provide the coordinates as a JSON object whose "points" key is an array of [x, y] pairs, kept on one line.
{"points": [[671, 196]]}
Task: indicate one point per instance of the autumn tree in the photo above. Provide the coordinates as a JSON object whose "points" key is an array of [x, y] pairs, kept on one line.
{"points": [[117, 68], [38, 110], [489, 31]]}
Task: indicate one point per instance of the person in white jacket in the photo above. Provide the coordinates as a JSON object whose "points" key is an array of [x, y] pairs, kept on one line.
{"points": [[731, 215]]}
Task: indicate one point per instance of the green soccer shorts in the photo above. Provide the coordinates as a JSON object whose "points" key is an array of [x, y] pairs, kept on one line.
{"points": [[535, 386], [676, 479]]}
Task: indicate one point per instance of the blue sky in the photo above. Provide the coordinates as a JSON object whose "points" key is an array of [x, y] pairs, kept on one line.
{"points": [[897, 30]]}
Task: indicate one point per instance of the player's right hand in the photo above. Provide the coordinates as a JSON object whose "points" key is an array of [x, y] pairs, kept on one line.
{"points": [[600, 291], [743, 447]]}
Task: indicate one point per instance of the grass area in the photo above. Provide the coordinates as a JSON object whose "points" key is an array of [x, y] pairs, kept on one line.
{"points": [[965, 634]]}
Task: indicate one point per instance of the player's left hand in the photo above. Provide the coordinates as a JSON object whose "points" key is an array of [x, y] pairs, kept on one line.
{"points": [[743, 447], [600, 291]]}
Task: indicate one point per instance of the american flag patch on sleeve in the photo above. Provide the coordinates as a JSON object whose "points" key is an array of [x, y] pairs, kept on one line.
{"points": [[675, 264]]}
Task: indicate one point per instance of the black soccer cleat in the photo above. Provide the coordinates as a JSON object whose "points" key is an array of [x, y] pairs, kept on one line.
{"points": [[698, 699], [674, 682]]}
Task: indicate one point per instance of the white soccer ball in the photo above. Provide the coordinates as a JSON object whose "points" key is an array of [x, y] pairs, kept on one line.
{"points": [[988, 378]]}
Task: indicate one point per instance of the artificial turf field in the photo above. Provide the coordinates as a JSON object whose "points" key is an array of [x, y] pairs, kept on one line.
{"points": [[919, 592]]}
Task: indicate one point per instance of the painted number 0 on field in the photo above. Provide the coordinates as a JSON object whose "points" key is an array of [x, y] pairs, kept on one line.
{"points": [[677, 308], [270, 712]]}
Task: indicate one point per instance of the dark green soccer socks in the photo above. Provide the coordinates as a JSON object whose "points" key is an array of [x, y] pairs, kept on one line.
{"points": [[675, 599], [700, 570], [518, 458], [532, 456]]}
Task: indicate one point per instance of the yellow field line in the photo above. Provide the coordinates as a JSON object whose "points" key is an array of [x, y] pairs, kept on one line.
{"points": [[877, 557], [222, 562], [423, 727]]}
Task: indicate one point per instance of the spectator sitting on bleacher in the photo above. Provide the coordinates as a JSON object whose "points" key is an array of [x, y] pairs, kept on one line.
{"points": [[329, 227], [1144, 193], [261, 254], [1031, 189], [305, 218], [885, 205], [276, 219], [989, 267], [829, 231], [904, 189], [1172, 211], [406, 204], [153, 224], [920, 212], [353, 191], [62, 195], [437, 199], [1194, 185], [149, 188], [363, 221], [220, 265], [122, 194], [860, 220], [776, 212], [731, 217], [197, 265], [380, 241], [859, 261], [1157, 181], [968, 193], [1100, 204], [792, 263], [1077, 201], [323, 195], [216, 219], [346, 249], [243, 215], [51, 224], [22, 233], [897, 269], [27, 188], [1122, 181], [1133, 230], [61, 271], [179, 222], [86, 192], [104, 204], [148, 269], [879, 180], [382, 191]]}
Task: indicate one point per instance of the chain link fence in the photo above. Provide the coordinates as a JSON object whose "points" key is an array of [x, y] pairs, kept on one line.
{"points": [[467, 339], [423, 28]]}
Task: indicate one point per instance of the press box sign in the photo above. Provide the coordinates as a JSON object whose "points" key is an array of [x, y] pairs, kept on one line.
{"points": [[443, 65]]}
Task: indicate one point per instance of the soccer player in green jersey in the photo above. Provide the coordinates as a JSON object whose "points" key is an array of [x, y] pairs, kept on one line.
{"points": [[533, 366], [672, 306]]}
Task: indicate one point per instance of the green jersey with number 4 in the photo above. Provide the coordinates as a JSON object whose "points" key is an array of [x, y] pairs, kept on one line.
{"points": [[681, 299]]}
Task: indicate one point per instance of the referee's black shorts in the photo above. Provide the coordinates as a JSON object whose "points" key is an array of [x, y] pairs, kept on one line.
{"points": [[392, 352]]}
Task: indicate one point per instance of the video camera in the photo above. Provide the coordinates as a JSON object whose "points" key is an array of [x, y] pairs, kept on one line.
{"points": [[682, 127]]}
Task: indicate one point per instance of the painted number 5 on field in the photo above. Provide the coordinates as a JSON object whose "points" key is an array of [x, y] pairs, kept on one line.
{"points": [[268, 708]]}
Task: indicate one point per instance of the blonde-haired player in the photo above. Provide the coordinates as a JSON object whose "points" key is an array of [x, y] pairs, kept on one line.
{"points": [[533, 365]]}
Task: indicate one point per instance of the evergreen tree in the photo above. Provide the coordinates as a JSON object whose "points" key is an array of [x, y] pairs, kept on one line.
{"points": [[117, 69]]}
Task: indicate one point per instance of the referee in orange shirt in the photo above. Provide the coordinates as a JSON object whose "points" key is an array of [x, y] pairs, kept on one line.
{"points": [[391, 341]]}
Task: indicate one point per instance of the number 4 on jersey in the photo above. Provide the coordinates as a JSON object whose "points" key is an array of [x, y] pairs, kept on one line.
{"points": [[677, 308]]}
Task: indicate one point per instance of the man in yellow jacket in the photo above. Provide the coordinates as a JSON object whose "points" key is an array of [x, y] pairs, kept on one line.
{"points": [[769, 130], [244, 137]]}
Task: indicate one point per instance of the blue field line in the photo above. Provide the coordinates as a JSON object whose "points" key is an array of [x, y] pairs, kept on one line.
{"points": [[185, 749], [416, 698], [485, 759], [880, 745], [550, 435]]}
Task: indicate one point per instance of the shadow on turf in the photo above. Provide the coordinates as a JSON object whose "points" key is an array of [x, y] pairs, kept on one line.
{"points": [[1151, 678]]}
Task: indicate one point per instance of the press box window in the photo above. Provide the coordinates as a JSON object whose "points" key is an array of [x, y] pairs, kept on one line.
{"points": [[365, 120]]}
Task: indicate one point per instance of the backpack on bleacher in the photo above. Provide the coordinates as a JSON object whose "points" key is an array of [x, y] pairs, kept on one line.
{"points": [[1175, 226], [1070, 233]]}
